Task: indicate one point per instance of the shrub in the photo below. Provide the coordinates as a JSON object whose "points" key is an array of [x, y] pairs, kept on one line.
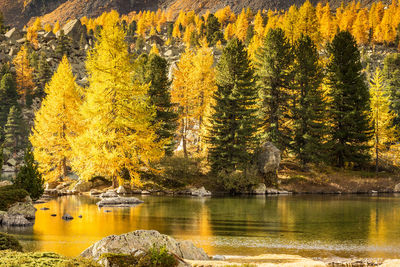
{"points": [[29, 177], [158, 257], [9, 242], [120, 260], [10, 194], [238, 181]]}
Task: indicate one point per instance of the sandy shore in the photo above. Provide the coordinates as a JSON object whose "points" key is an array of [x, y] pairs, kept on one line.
{"points": [[284, 260]]}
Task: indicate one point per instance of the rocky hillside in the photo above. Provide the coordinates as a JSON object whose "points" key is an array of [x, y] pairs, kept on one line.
{"points": [[20, 12]]}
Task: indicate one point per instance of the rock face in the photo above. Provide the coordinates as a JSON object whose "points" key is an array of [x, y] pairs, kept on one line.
{"points": [[141, 241], [268, 161], [119, 202], [73, 29], [15, 220], [82, 186]]}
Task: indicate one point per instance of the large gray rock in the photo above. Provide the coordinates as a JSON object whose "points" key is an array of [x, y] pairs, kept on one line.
{"points": [[268, 160], [13, 34], [121, 190], [259, 189], [397, 188], [15, 220], [26, 209], [142, 240], [73, 29], [200, 192], [109, 193], [2, 214], [5, 183], [119, 202], [82, 186]]}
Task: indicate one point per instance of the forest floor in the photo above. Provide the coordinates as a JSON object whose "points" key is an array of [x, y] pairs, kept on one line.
{"points": [[331, 180]]}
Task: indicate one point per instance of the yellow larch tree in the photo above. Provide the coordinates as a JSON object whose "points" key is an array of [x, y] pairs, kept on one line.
{"points": [[118, 137], [308, 23], [154, 50], [56, 27], [382, 117], [385, 32], [361, 27], [141, 27], [290, 24], [259, 24], [241, 26], [57, 123], [229, 31], [327, 24], [183, 93], [24, 74], [203, 77]]}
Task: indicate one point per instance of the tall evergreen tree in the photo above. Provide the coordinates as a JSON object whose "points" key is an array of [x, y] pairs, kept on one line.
{"points": [[233, 122], [309, 112], [8, 98], [154, 71], [213, 30], [349, 105], [274, 62], [29, 176], [43, 74], [14, 132], [62, 47], [391, 72]]}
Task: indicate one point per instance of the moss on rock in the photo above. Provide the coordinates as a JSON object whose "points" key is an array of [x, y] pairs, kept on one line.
{"points": [[35, 259]]}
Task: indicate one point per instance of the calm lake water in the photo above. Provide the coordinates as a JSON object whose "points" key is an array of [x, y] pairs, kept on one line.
{"points": [[307, 225]]}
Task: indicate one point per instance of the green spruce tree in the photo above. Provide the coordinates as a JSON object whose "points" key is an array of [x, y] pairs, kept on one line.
{"points": [[273, 64], [153, 70], [14, 133], [8, 98], [213, 30], [349, 107], [29, 177], [43, 74], [310, 109], [63, 45], [391, 72], [233, 124]]}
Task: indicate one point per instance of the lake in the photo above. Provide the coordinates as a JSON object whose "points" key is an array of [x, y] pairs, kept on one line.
{"points": [[307, 225]]}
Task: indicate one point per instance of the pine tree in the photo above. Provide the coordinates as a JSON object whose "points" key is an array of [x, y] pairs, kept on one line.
{"points": [[8, 98], [233, 122], [29, 176], [118, 136], [274, 71], [43, 74], [154, 71], [391, 72], [349, 104], [57, 123], [309, 113], [213, 30], [14, 132], [62, 47], [382, 117]]}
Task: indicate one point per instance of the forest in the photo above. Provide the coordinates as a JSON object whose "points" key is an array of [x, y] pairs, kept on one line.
{"points": [[301, 79]]}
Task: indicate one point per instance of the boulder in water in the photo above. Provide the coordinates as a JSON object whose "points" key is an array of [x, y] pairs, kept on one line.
{"points": [[110, 193], [15, 220], [119, 202], [67, 217], [141, 241], [268, 160], [200, 192]]}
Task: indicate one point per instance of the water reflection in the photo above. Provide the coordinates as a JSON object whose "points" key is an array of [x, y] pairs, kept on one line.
{"points": [[318, 226]]}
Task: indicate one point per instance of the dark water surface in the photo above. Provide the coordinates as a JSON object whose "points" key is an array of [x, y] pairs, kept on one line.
{"points": [[307, 225]]}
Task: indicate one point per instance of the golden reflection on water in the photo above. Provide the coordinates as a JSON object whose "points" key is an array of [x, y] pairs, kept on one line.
{"points": [[318, 226]]}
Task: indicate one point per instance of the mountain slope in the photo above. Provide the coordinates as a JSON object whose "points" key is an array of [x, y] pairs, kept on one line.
{"points": [[19, 12]]}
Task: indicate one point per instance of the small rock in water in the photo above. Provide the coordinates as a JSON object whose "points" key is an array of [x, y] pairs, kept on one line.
{"points": [[67, 217], [44, 208], [80, 216], [218, 258], [53, 215], [107, 210]]}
